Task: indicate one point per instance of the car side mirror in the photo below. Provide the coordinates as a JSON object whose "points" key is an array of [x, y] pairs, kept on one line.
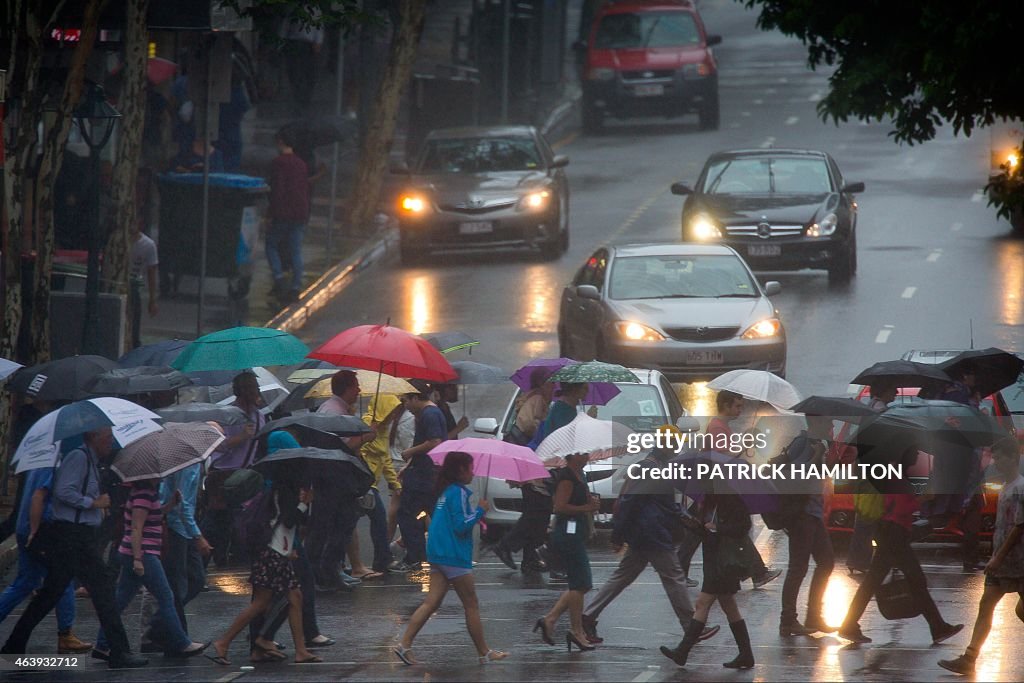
{"points": [[853, 188], [714, 39], [588, 292], [485, 425], [688, 424], [772, 287], [560, 161], [680, 189], [399, 168]]}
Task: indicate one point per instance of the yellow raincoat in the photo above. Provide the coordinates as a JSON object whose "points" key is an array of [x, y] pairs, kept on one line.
{"points": [[376, 453]]}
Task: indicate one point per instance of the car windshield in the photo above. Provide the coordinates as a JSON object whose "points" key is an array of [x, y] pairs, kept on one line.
{"points": [[480, 155], [639, 407], [767, 175], [1014, 396], [646, 29], [656, 277]]}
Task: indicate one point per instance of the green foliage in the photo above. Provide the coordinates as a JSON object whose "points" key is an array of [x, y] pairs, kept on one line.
{"points": [[345, 14], [920, 63]]}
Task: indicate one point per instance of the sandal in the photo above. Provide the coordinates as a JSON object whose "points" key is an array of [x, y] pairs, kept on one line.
{"points": [[405, 654], [312, 659], [492, 656], [260, 657], [369, 576], [219, 659]]}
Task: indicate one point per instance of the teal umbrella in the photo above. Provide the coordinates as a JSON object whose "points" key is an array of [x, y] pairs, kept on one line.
{"points": [[593, 371], [241, 348]]}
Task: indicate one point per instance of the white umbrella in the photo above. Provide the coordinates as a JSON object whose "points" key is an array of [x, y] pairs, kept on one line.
{"points": [[600, 438], [161, 454], [7, 368], [758, 385]]}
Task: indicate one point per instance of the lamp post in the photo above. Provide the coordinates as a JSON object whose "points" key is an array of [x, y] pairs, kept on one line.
{"points": [[96, 120]]}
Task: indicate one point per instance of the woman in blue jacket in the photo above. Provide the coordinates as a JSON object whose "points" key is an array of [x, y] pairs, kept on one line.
{"points": [[450, 553]]}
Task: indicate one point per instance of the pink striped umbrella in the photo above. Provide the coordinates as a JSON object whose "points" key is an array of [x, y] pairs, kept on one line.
{"points": [[493, 458]]}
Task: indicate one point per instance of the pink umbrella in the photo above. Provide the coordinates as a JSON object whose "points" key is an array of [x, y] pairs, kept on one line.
{"points": [[493, 458]]}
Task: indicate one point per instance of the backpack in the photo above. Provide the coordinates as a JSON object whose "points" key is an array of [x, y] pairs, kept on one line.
{"points": [[790, 504], [241, 486], [255, 521]]}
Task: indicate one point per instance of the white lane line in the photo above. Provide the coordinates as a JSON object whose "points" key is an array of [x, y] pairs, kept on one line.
{"points": [[783, 79], [957, 227], [883, 335], [768, 142], [230, 677], [815, 97], [734, 125], [908, 293], [744, 113], [645, 676], [758, 101], [792, 120], [934, 256], [977, 196]]}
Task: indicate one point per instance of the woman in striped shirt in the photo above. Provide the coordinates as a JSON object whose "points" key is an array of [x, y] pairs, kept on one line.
{"points": [[139, 553]]}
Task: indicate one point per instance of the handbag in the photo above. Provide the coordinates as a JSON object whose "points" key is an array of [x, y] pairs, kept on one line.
{"points": [[895, 601], [735, 557]]}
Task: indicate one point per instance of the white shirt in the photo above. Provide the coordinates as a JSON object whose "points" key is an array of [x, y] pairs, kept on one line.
{"points": [[143, 255], [335, 405]]}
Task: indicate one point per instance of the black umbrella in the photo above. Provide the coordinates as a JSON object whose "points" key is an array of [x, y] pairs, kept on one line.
{"points": [[903, 373], [310, 464], [843, 409], [759, 495], [928, 425], [138, 380], [163, 353], [66, 379], [995, 369], [340, 425], [204, 412], [450, 341], [297, 399]]}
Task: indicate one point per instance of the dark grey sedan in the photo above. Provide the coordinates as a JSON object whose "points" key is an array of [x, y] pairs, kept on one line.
{"points": [[485, 188], [691, 311]]}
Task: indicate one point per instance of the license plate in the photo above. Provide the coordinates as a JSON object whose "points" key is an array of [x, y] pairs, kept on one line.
{"points": [[703, 357], [764, 250], [476, 228], [650, 90]]}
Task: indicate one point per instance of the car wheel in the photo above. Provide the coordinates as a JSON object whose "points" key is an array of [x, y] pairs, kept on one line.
{"points": [[708, 114], [844, 265], [593, 119], [409, 254]]}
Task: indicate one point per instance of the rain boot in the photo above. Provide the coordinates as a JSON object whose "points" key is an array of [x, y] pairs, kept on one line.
{"points": [[745, 659], [690, 638]]}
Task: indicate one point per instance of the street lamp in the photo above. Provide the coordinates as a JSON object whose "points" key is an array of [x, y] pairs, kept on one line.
{"points": [[96, 120]]}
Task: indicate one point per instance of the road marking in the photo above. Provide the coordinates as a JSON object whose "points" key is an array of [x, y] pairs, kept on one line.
{"points": [[934, 256], [783, 79], [977, 196], [908, 293], [883, 335], [734, 125], [744, 113], [956, 227], [768, 142], [230, 677], [645, 676], [815, 96], [758, 101], [792, 120]]}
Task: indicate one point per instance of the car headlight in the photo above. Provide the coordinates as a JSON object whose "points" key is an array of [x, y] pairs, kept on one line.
{"points": [[601, 74], [632, 331], [412, 204], [696, 70], [703, 229], [993, 487], [769, 327], [823, 228], [535, 201]]}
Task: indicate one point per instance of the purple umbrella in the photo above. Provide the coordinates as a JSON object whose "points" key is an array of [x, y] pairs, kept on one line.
{"points": [[598, 394], [759, 495]]}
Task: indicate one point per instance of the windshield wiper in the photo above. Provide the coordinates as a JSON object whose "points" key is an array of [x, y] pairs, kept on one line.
{"points": [[736, 295]]}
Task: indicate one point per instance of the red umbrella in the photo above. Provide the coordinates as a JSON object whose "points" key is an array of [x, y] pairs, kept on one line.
{"points": [[386, 349]]}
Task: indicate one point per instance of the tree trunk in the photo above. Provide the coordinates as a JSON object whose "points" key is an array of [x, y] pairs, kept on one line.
{"points": [[49, 168], [117, 255], [376, 147]]}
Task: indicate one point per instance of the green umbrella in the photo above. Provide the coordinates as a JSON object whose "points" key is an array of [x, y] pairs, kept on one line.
{"points": [[241, 348], [593, 371]]}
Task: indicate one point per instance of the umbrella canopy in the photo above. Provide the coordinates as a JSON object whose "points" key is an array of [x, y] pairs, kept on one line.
{"points": [[493, 458], [929, 424], [593, 371], [537, 371], [341, 425], [307, 459], [600, 438], [995, 369], [758, 385], [446, 342], [204, 412], [139, 380], [165, 452], [759, 495], [163, 353], [844, 409], [478, 373], [310, 374], [387, 349], [8, 367], [369, 383], [903, 373], [59, 380], [241, 348]]}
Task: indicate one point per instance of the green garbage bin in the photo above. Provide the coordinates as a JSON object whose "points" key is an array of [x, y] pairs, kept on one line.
{"points": [[233, 227]]}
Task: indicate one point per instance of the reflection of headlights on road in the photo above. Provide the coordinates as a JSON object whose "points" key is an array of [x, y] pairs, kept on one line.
{"points": [[769, 327], [703, 229], [1012, 160], [411, 203], [824, 228], [993, 487], [637, 332], [535, 201], [601, 74]]}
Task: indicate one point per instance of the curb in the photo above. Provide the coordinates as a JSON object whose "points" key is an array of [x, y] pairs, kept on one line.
{"points": [[564, 120], [332, 282]]}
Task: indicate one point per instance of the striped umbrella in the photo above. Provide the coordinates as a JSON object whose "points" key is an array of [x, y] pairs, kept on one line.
{"points": [[164, 453]]}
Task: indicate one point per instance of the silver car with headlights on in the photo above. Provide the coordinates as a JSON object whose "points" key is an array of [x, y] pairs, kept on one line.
{"points": [[691, 311], [484, 188]]}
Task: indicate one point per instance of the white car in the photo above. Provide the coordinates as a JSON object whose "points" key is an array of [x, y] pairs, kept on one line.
{"points": [[642, 407]]}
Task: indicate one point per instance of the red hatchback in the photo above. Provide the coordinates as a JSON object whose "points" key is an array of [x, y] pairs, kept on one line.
{"points": [[649, 58]]}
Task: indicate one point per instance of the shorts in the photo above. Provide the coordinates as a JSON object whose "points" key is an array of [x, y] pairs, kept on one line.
{"points": [[1008, 584], [449, 572]]}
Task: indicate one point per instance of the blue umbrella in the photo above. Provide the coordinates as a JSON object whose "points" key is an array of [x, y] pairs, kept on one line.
{"points": [[759, 495]]}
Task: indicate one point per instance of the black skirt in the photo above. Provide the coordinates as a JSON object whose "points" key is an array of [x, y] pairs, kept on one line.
{"points": [[714, 582]]}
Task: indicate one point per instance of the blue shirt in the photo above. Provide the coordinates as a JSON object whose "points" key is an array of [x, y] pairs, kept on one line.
{"points": [[450, 541], [182, 518], [280, 439], [76, 473], [41, 478], [430, 424]]}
